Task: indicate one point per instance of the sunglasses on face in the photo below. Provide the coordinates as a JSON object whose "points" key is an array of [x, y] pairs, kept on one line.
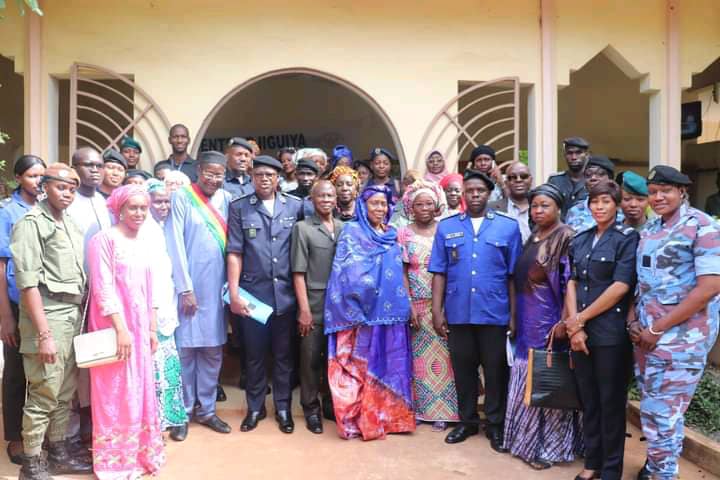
{"points": [[522, 176]]}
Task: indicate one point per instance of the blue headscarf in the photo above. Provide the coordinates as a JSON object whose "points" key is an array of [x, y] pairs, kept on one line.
{"points": [[366, 282], [339, 152]]}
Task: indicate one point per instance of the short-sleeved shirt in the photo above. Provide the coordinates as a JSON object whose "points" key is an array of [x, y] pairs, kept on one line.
{"points": [[13, 209], [477, 267], [313, 250], [264, 241], [671, 255], [188, 167], [594, 269]]}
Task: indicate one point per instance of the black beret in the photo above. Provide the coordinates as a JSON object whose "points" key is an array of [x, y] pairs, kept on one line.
{"points": [[471, 173], [603, 162], [138, 173], [577, 142], [549, 190], [307, 163], [112, 155], [376, 152], [664, 174], [240, 142], [482, 150], [267, 161]]}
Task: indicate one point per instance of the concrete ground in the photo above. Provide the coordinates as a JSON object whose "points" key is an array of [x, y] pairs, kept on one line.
{"points": [[268, 454]]}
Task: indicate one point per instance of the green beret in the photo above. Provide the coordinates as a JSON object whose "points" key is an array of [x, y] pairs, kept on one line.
{"points": [[129, 142], [635, 184]]}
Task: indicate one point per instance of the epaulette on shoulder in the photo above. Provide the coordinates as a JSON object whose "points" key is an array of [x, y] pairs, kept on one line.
{"points": [[584, 231], [5, 202], [624, 229], [289, 195], [450, 216], [556, 174], [505, 214], [244, 195]]}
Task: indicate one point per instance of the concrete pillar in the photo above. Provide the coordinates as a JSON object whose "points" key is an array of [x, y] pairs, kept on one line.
{"points": [[33, 77], [548, 118]]}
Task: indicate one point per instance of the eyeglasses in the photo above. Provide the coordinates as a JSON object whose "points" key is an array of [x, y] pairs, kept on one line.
{"points": [[264, 174], [91, 165], [522, 176], [213, 177]]}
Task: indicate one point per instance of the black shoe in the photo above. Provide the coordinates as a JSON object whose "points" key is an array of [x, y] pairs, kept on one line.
{"points": [[461, 433], [313, 423], [61, 462], [34, 468], [220, 397], [252, 419], [496, 441], [79, 449], [16, 459], [214, 423], [179, 433], [644, 473], [594, 476], [285, 421]]}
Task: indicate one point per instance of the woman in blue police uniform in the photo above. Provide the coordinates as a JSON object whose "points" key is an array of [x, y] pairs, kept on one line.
{"points": [[472, 259], [597, 301]]}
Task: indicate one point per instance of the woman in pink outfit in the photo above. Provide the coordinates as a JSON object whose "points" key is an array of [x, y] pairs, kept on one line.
{"points": [[127, 441]]}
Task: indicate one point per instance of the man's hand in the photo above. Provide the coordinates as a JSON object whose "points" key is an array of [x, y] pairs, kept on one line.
{"points": [[47, 350], [8, 331], [305, 323], [188, 304], [239, 306], [634, 331]]}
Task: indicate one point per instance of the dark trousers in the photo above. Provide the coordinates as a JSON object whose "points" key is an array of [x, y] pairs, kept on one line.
{"points": [[13, 389], [313, 371], [275, 337], [472, 346], [602, 379]]}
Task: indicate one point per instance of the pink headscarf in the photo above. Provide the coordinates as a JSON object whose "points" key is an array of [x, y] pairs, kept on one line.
{"points": [[454, 177], [435, 177], [423, 186], [121, 195]]}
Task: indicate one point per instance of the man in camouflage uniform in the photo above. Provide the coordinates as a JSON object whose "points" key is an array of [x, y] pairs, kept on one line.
{"points": [[47, 249], [675, 322]]}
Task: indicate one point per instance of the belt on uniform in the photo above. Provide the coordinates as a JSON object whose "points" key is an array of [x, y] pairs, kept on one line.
{"points": [[62, 297]]}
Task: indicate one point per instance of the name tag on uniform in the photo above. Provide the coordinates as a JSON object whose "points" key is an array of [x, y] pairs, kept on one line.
{"points": [[454, 235], [252, 232], [646, 261]]}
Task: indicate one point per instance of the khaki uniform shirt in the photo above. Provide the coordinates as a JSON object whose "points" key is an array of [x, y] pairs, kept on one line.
{"points": [[49, 256]]}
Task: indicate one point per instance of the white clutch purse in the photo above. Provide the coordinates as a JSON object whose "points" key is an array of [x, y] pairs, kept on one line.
{"points": [[96, 348]]}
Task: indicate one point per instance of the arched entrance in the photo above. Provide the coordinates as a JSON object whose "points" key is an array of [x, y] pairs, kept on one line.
{"points": [[300, 107]]}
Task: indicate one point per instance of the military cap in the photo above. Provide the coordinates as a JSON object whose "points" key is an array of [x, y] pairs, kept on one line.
{"points": [[377, 151], [634, 183], [129, 142], [112, 155], [577, 142], [664, 174], [482, 150], [471, 173], [61, 172], [603, 162], [240, 142], [212, 156], [267, 161], [308, 164]]}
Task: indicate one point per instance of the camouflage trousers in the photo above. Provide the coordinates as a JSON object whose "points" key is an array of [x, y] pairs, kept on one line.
{"points": [[666, 390]]}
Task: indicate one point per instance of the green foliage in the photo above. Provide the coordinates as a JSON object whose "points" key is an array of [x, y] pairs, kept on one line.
{"points": [[523, 154], [704, 411], [33, 5]]}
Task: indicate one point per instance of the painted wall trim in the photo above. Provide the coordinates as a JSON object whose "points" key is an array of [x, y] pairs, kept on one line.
{"points": [[547, 162], [673, 88]]}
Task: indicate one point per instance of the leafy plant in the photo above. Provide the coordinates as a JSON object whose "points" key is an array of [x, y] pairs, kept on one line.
{"points": [[33, 5]]}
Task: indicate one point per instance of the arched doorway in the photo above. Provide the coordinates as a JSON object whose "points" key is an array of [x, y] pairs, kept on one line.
{"points": [[300, 107]]}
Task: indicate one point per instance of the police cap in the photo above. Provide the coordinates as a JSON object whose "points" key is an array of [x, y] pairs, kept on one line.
{"points": [[577, 142], [472, 173], [61, 172], [113, 156], [307, 164], [240, 142], [667, 175], [267, 161], [603, 162]]}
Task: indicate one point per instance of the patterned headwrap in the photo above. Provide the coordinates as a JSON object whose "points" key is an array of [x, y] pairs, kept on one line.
{"points": [[343, 170], [454, 177], [121, 195], [423, 186], [361, 205]]}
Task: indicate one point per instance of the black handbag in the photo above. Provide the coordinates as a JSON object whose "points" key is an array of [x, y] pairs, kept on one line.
{"points": [[550, 381]]}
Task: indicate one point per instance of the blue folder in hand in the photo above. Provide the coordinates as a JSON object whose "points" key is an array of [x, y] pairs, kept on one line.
{"points": [[259, 311]]}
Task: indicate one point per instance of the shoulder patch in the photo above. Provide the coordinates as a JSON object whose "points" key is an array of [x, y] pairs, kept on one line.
{"points": [[504, 215]]}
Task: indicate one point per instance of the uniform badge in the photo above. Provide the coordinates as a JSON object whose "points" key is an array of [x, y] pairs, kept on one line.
{"points": [[253, 200], [651, 175], [454, 235], [252, 233], [454, 255]]}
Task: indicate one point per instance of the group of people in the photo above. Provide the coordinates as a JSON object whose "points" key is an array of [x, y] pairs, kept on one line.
{"points": [[391, 303]]}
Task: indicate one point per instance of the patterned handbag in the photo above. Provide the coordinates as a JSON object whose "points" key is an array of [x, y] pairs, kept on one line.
{"points": [[550, 381]]}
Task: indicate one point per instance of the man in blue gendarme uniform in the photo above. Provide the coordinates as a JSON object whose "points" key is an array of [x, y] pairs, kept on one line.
{"points": [[472, 259]]}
